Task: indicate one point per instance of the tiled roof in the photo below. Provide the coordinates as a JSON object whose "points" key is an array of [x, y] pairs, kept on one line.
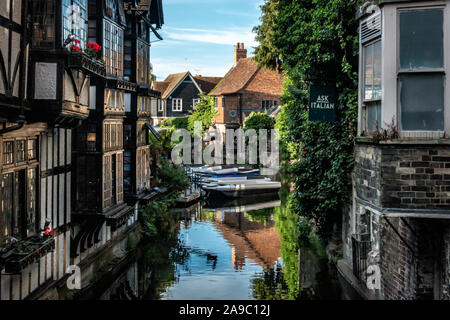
{"points": [[207, 83], [237, 77], [160, 86], [169, 83]]}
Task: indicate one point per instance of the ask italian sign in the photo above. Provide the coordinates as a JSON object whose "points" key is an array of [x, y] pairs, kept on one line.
{"points": [[322, 104]]}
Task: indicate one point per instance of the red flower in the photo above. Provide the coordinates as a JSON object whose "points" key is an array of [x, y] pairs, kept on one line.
{"points": [[51, 232], [77, 41], [37, 251]]}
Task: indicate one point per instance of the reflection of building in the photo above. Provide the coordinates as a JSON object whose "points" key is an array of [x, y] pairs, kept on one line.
{"points": [[399, 221], [257, 241]]}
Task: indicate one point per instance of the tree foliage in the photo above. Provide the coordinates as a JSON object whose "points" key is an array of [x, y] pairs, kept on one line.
{"points": [[317, 42], [204, 111], [259, 120]]}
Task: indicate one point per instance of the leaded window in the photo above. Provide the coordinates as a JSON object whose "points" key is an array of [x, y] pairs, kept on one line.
{"points": [[113, 48], [18, 214], [8, 152], [20, 150], [75, 19], [43, 17], [143, 63]]}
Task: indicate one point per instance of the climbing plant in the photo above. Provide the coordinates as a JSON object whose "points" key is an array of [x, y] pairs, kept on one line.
{"points": [[317, 44]]}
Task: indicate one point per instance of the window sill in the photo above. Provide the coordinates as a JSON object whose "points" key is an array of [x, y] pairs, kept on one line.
{"points": [[404, 141]]}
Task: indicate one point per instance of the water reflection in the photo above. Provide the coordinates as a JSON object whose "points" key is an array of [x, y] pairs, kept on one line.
{"points": [[229, 250]]}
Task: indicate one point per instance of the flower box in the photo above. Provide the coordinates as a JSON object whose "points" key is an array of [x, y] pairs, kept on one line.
{"points": [[82, 61], [27, 252]]}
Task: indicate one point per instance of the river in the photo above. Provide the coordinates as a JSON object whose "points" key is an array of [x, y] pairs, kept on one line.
{"points": [[238, 250]]}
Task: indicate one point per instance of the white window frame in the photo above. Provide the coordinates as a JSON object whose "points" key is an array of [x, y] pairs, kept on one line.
{"points": [[195, 101], [160, 105], [177, 105], [391, 68], [443, 71], [366, 103]]}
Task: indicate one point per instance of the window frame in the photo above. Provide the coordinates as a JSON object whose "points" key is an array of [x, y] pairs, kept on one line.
{"points": [[179, 107], [195, 101], [443, 70], [367, 103]]}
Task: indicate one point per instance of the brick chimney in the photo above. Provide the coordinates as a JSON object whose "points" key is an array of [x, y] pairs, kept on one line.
{"points": [[239, 53]]}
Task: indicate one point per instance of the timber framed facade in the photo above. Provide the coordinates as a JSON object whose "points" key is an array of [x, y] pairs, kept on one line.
{"points": [[62, 150]]}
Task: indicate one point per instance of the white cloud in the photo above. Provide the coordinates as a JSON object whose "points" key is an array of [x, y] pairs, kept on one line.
{"points": [[222, 37], [163, 67]]}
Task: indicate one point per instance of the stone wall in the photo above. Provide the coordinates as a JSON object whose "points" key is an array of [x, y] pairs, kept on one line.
{"points": [[414, 253], [403, 176]]}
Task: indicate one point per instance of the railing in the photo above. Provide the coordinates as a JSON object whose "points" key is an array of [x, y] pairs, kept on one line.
{"points": [[361, 247]]}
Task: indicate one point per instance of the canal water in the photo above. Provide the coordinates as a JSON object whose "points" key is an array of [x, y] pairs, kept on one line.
{"points": [[230, 250]]}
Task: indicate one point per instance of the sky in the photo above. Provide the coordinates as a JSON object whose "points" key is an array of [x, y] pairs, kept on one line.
{"points": [[200, 35]]}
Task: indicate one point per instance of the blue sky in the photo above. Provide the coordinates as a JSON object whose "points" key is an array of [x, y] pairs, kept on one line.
{"points": [[200, 35]]}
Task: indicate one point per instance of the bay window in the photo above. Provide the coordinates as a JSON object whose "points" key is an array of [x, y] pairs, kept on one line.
{"points": [[44, 17], [18, 214], [75, 19], [113, 48]]}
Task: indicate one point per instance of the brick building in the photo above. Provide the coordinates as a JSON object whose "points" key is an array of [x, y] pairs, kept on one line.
{"points": [[246, 88], [399, 219]]}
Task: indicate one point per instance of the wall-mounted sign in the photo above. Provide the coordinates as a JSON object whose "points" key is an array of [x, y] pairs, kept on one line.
{"points": [[233, 113], [322, 104]]}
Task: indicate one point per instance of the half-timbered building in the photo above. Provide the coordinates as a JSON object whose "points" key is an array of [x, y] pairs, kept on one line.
{"points": [[138, 105], [65, 89]]}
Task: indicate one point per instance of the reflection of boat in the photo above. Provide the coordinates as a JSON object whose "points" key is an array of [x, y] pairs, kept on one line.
{"points": [[241, 188], [216, 202], [246, 207]]}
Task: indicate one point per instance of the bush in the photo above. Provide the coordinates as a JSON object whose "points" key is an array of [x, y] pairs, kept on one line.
{"points": [[259, 120]]}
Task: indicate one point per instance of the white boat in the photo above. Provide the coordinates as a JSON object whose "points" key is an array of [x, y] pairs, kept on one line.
{"points": [[237, 188]]}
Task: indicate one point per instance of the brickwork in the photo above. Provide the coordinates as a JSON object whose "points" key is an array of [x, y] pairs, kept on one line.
{"points": [[403, 176]]}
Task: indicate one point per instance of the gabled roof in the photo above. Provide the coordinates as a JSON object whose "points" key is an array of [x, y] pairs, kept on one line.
{"points": [[237, 77], [207, 83], [172, 82], [160, 86]]}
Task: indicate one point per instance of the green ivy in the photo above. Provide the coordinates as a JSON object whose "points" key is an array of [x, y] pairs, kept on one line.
{"points": [[317, 43]]}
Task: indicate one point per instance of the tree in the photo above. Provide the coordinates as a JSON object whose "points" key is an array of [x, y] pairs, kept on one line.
{"points": [[259, 120], [204, 111], [317, 41], [267, 53]]}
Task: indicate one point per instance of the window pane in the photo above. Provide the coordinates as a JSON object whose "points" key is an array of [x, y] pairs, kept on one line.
{"points": [[372, 71], [420, 111], [421, 39], [31, 206], [6, 208], [374, 116]]}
